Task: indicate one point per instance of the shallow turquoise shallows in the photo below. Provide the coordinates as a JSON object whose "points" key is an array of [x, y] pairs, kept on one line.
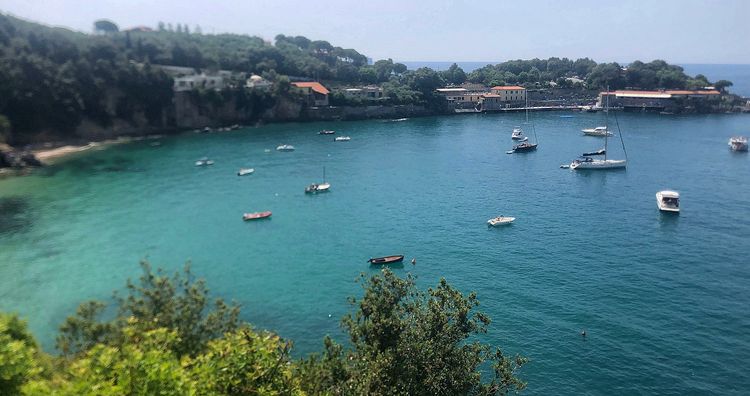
{"points": [[664, 299]]}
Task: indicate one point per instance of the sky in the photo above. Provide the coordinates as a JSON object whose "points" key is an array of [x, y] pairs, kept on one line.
{"points": [[678, 31]]}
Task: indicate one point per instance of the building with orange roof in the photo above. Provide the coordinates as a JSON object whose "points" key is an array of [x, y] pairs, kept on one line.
{"points": [[504, 96], [316, 93]]}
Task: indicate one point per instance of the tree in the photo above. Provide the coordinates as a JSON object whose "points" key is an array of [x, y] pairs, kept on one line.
{"points": [[18, 355], [410, 342], [178, 303], [722, 85], [454, 75], [105, 26], [399, 68]]}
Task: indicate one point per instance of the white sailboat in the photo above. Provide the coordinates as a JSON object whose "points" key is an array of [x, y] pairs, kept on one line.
{"points": [[588, 162], [318, 187], [526, 146]]}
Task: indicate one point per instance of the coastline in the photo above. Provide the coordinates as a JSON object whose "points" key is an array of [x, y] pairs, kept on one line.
{"points": [[49, 156]]}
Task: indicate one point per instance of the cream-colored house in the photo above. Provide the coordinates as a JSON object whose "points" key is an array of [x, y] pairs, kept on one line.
{"points": [[509, 93]]}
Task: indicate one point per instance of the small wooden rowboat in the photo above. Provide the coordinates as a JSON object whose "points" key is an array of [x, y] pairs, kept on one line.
{"points": [[386, 259], [256, 215]]}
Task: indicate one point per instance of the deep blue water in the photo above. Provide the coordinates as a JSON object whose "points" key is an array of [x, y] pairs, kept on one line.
{"points": [[663, 298], [737, 74]]}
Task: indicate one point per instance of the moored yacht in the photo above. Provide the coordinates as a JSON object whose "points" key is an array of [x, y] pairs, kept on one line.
{"points": [[738, 143], [587, 162], [318, 187], [517, 134], [285, 147], [668, 201], [598, 131], [342, 139]]}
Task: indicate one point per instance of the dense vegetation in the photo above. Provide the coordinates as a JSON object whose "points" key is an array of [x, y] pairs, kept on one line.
{"points": [[166, 337], [52, 80], [638, 75]]}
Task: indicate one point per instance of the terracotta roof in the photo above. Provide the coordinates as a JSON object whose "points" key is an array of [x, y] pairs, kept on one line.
{"points": [[507, 87], [314, 85]]}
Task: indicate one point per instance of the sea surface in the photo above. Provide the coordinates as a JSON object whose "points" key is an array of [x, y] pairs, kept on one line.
{"points": [[664, 299], [739, 75]]}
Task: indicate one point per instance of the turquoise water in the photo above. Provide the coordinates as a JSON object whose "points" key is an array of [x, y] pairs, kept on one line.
{"points": [[663, 298]]}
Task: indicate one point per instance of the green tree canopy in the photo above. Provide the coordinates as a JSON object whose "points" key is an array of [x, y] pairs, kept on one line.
{"points": [[409, 342], [105, 26]]}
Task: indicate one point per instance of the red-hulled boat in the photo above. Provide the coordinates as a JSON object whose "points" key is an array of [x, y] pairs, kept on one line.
{"points": [[386, 259], [256, 215]]}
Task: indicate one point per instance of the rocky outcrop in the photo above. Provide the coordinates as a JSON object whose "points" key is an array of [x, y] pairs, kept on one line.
{"points": [[14, 158]]}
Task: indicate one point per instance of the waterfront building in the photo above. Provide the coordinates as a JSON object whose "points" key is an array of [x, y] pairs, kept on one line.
{"points": [[654, 100], [364, 93], [202, 81], [316, 93], [510, 93]]}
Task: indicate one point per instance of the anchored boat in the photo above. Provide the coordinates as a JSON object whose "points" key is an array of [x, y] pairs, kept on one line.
{"points": [[668, 201], [501, 220], [315, 188], [285, 147], [587, 162], [387, 259], [738, 143], [256, 215], [245, 171]]}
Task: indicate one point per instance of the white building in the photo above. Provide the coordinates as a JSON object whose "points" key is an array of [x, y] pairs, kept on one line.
{"points": [[200, 81], [257, 82], [365, 93]]}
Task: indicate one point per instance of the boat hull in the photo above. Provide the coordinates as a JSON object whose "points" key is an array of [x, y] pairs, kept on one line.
{"points": [[256, 216], [500, 221], [598, 164], [524, 148], [386, 260]]}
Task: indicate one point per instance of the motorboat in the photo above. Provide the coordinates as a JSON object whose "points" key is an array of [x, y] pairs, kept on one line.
{"points": [[256, 215], [204, 162], [342, 139], [738, 143], [598, 131], [387, 259], [501, 220], [668, 201], [326, 132], [591, 163], [245, 171], [285, 147], [517, 134]]}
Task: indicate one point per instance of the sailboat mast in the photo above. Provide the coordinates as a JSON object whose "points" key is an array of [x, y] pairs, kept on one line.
{"points": [[606, 123]]}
